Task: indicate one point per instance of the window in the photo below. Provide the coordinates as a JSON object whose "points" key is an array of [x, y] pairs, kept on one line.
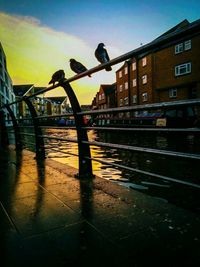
{"points": [[183, 69], [144, 79], [126, 85], [121, 102], [134, 82], [187, 45], [120, 74], [99, 97], [120, 87], [173, 93], [134, 99], [144, 61], [144, 97], [134, 66], [102, 96], [126, 70], [178, 48], [125, 101]]}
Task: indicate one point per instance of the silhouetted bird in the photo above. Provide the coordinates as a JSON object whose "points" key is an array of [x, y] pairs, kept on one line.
{"points": [[58, 76], [77, 67], [102, 55]]}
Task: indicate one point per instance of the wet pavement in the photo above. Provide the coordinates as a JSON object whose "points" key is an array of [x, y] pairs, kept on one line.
{"points": [[48, 217]]}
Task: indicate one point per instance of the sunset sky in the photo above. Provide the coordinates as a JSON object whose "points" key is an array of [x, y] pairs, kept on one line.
{"points": [[39, 37]]}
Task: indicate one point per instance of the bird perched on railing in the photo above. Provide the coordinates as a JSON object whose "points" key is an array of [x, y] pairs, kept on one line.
{"points": [[58, 76], [102, 56], [77, 67]]}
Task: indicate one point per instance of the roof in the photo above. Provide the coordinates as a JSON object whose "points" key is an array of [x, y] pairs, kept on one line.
{"points": [[56, 99], [38, 89], [183, 24], [180, 28], [179, 31], [21, 90], [125, 63], [108, 88]]}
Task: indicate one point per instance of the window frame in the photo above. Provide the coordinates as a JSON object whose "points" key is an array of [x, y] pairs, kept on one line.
{"points": [[134, 82], [144, 79], [144, 97], [144, 61], [179, 68], [173, 93]]}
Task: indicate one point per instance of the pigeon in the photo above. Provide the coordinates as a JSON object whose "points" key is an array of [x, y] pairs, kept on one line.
{"points": [[102, 55], [77, 67], [58, 76]]}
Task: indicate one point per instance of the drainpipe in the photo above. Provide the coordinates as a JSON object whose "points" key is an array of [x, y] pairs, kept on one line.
{"points": [[137, 80]]}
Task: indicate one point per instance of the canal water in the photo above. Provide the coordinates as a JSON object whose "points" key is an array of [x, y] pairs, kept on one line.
{"points": [[182, 169]]}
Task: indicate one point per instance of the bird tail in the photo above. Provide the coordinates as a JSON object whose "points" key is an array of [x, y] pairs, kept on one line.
{"points": [[89, 75], [108, 68], [51, 81]]}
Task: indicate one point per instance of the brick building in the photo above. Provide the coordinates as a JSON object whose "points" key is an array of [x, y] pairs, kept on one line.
{"points": [[168, 72]]}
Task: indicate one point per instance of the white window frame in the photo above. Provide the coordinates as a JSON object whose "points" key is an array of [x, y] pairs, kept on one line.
{"points": [[120, 74], [121, 102], [102, 96], [179, 48], [144, 61], [120, 87], [134, 66], [187, 45], [173, 92], [134, 82], [126, 85], [125, 101], [183, 69], [145, 97], [134, 99], [144, 79], [126, 70]]}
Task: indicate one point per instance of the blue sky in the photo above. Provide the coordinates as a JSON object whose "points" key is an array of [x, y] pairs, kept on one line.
{"points": [[124, 23], [75, 27]]}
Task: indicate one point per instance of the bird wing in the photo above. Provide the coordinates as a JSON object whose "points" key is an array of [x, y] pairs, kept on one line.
{"points": [[98, 55], [106, 55], [80, 67]]}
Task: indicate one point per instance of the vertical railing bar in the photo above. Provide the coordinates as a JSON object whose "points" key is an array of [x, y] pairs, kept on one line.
{"points": [[85, 164], [18, 143], [39, 142], [3, 131]]}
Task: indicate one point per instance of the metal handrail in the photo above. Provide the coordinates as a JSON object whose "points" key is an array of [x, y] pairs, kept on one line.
{"points": [[154, 175], [145, 129], [146, 150]]}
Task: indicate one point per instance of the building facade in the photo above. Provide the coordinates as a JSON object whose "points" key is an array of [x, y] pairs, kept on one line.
{"points": [[168, 72], [6, 89]]}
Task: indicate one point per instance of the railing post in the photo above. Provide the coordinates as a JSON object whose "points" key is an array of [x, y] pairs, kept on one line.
{"points": [[39, 141], [3, 131], [85, 165], [18, 142]]}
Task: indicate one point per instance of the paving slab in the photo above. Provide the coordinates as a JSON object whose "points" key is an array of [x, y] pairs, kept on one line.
{"points": [[49, 217]]}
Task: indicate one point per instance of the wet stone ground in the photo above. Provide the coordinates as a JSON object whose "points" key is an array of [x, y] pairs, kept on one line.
{"points": [[48, 217]]}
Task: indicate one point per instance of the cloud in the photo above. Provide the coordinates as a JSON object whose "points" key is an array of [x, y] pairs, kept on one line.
{"points": [[34, 52]]}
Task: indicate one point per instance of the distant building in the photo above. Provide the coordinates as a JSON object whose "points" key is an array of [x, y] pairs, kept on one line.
{"points": [[57, 105], [43, 105], [105, 97], [37, 101], [6, 89]]}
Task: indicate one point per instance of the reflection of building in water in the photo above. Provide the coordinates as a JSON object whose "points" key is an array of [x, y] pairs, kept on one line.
{"points": [[6, 89]]}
